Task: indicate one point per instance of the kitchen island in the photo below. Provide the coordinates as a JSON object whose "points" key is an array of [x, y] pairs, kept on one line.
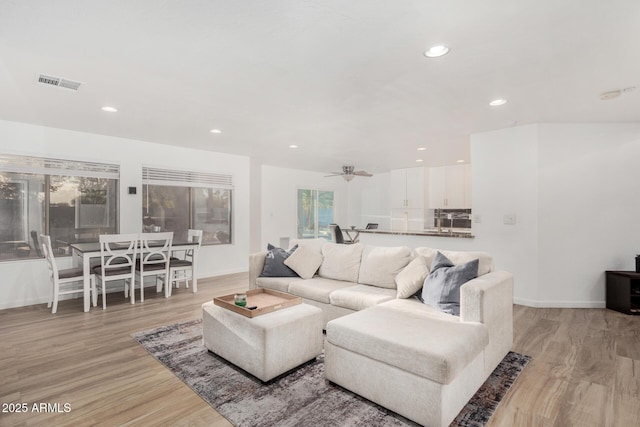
{"points": [[457, 239], [463, 233]]}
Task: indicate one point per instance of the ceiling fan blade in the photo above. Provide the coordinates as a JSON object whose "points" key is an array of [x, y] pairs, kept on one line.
{"points": [[362, 173], [333, 174]]}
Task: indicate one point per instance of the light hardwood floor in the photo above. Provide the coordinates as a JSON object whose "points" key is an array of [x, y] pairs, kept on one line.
{"points": [[585, 369]]}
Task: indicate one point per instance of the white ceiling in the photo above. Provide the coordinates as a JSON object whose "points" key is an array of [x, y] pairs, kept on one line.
{"points": [[345, 80]]}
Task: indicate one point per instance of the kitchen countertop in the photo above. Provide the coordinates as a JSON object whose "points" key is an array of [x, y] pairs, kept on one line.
{"points": [[458, 233]]}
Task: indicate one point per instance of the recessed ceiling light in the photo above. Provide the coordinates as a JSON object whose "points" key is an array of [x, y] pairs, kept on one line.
{"points": [[436, 51], [109, 109], [498, 102], [459, 161], [422, 148], [215, 131], [293, 146], [419, 160]]}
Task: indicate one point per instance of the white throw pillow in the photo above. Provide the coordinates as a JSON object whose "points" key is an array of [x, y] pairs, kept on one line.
{"points": [[410, 279], [341, 262], [380, 265], [315, 244], [305, 261], [459, 257]]}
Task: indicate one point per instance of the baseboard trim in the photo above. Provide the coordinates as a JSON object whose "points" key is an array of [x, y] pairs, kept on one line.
{"points": [[559, 304], [224, 273], [44, 300]]}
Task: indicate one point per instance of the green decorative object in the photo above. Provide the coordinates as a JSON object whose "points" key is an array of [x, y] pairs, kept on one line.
{"points": [[240, 299]]}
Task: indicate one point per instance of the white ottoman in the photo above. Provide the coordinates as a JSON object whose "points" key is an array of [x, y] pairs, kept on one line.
{"points": [[265, 346]]}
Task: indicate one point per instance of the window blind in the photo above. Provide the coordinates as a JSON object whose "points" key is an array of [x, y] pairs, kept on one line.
{"points": [[181, 178], [51, 166]]}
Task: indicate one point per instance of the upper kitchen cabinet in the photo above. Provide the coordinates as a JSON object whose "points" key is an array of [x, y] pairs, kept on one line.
{"points": [[408, 188], [450, 187]]}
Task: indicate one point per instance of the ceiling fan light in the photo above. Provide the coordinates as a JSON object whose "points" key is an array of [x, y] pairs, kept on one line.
{"points": [[347, 177]]}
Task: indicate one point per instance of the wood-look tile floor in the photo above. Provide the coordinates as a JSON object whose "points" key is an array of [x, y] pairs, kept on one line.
{"points": [[585, 369]]}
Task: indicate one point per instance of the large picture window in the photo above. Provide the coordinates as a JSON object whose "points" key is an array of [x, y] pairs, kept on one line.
{"points": [[69, 200], [180, 200], [315, 213]]}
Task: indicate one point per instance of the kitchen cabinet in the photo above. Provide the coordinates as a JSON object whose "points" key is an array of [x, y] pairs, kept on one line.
{"points": [[408, 188], [450, 187]]}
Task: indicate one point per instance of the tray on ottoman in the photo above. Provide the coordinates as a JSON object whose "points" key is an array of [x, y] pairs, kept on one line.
{"points": [[266, 300]]}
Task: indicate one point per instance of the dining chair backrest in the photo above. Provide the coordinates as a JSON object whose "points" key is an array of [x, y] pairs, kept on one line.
{"points": [[156, 248], [193, 236], [118, 251], [36, 245], [47, 251], [63, 281], [336, 233]]}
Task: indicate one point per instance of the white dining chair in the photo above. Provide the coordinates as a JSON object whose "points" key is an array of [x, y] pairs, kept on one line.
{"points": [[154, 260], [182, 269], [63, 281], [118, 262]]}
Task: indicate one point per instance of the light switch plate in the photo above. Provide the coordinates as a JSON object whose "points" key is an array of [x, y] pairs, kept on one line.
{"points": [[477, 218], [510, 219]]}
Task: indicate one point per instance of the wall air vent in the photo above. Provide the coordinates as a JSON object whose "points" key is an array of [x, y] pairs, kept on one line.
{"points": [[58, 81]]}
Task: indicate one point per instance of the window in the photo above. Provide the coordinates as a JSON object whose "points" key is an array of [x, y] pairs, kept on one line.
{"points": [[315, 213], [80, 208], [70, 201], [180, 200]]}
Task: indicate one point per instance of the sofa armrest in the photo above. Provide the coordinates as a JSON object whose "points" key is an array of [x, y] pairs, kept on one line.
{"points": [[488, 299], [256, 265]]}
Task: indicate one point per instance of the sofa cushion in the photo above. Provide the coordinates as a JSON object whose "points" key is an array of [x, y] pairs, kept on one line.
{"points": [[389, 333], [316, 289], [380, 265], [359, 297], [459, 257], [276, 283], [305, 261], [341, 262], [313, 244], [442, 287], [410, 280], [274, 263]]}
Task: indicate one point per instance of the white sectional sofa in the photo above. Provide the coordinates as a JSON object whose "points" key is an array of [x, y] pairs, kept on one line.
{"points": [[398, 352]]}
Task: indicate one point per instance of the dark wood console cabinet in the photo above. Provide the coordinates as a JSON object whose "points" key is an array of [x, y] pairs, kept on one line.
{"points": [[623, 291]]}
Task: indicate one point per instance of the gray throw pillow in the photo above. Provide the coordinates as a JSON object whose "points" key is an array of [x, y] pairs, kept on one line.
{"points": [[442, 287], [274, 263]]}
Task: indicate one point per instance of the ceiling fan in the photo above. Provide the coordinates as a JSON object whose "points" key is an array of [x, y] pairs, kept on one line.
{"points": [[348, 173]]}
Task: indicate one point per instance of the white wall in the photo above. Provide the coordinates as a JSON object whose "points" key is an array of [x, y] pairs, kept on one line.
{"points": [[504, 179], [573, 188], [26, 282], [255, 205], [589, 209], [279, 196], [369, 201]]}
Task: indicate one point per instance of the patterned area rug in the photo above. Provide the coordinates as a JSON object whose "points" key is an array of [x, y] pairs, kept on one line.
{"points": [[300, 398]]}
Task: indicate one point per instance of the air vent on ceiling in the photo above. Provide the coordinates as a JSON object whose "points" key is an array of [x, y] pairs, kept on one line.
{"points": [[58, 81]]}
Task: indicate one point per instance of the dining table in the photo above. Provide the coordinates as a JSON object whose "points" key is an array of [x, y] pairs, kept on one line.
{"points": [[91, 250]]}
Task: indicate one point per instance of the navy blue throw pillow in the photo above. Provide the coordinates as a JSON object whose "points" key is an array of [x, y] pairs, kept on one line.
{"points": [[274, 263]]}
